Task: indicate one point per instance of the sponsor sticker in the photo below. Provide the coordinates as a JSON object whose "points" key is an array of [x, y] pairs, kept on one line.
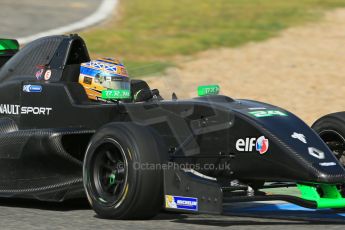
{"points": [[268, 113], [181, 202], [327, 164], [260, 144], [300, 137], [116, 94], [47, 75], [39, 73], [316, 153], [18, 109], [206, 90], [32, 88]]}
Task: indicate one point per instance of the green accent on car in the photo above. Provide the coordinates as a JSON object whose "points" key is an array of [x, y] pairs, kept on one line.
{"points": [[208, 90], [112, 178], [268, 113], [7, 45], [330, 198], [136, 94], [116, 94]]}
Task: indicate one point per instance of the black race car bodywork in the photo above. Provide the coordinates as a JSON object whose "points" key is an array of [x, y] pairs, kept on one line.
{"points": [[231, 147]]}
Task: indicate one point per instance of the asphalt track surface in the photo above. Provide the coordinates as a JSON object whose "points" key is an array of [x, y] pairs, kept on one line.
{"points": [[27, 214], [26, 17], [20, 18]]}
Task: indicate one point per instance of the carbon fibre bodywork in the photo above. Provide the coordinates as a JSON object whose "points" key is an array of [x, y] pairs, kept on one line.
{"points": [[44, 133]]}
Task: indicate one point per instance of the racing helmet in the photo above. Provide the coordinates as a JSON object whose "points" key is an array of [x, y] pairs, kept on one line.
{"points": [[104, 75]]}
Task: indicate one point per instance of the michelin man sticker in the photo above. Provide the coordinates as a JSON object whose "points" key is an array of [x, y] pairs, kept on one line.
{"points": [[181, 202]]}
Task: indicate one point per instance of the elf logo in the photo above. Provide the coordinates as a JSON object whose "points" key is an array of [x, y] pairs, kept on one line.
{"points": [[248, 144]]}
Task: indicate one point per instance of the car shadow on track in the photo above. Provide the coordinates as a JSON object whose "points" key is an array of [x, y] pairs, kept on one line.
{"points": [[163, 215], [69, 205], [246, 222], [205, 220]]}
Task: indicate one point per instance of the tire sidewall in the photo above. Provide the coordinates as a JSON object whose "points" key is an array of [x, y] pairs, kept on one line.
{"points": [[331, 122], [128, 136]]}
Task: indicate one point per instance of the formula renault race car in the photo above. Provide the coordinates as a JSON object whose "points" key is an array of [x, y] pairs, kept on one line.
{"points": [[133, 156]]}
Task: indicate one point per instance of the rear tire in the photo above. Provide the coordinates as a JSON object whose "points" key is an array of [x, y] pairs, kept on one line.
{"points": [[115, 185]]}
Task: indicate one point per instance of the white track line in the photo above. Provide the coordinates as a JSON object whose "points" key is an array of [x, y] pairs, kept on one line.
{"points": [[103, 11]]}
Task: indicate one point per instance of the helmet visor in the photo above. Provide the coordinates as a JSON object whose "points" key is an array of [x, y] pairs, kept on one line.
{"points": [[112, 82]]}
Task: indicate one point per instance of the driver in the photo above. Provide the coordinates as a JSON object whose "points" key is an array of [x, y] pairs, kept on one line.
{"points": [[103, 74]]}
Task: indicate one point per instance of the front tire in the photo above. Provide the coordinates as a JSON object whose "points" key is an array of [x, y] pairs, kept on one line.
{"points": [[115, 180], [331, 129]]}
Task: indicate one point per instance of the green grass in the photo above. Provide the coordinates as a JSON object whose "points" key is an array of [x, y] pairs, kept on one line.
{"points": [[142, 68], [151, 32]]}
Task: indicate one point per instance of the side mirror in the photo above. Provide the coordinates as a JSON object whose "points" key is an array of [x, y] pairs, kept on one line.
{"points": [[143, 95], [147, 94]]}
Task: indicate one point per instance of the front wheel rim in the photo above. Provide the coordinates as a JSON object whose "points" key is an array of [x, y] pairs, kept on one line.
{"points": [[109, 173]]}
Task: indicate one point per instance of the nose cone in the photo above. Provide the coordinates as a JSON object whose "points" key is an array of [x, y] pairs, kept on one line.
{"points": [[329, 173], [299, 151]]}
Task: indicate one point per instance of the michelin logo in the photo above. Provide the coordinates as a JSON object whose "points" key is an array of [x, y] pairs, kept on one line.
{"points": [[17, 109], [32, 88], [181, 202]]}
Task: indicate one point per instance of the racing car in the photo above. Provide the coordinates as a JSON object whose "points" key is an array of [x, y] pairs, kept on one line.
{"points": [[134, 156]]}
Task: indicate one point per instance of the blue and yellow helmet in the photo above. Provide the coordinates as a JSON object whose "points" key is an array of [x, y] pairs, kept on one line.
{"points": [[103, 74]]}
